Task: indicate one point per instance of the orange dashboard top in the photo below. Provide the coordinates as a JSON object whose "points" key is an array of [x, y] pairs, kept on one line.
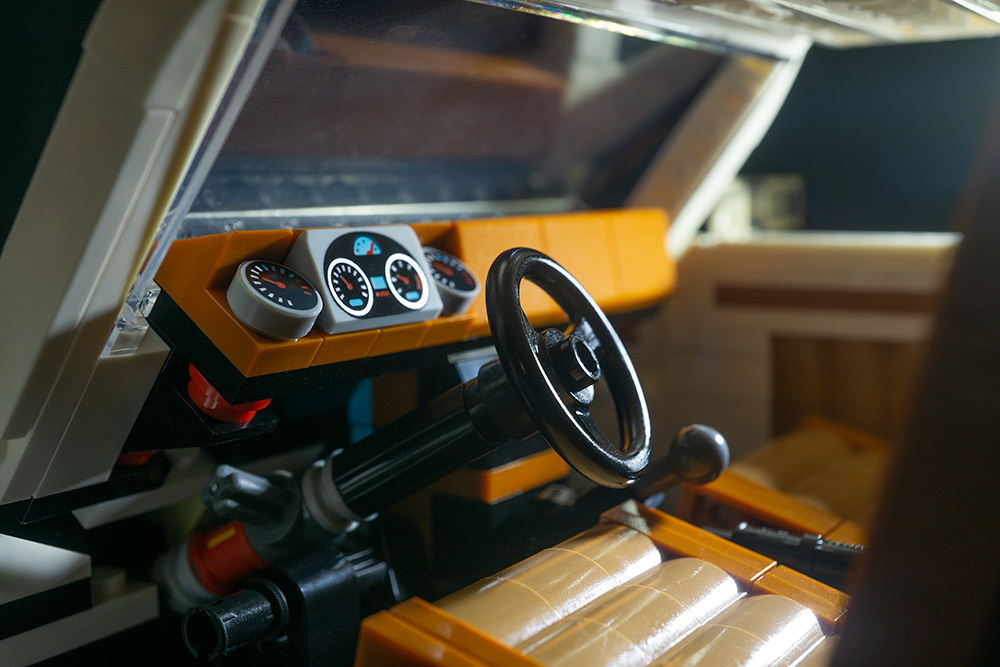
{"points": [[619, 256]]}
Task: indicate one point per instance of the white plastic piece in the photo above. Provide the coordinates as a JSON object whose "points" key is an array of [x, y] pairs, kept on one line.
{"points": [[273, 300], [322, 498], [27, 568], [189, 472], [368, 277], [456, 283], [981, 7], [669, 22], [732, 219], [143, 93], [103, 418], [713, 140], [596, 62], [137, 605]]}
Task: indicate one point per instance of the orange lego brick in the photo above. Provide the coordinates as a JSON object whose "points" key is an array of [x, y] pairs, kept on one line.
{"points": [[185, 268], [848, 532], [400, 338], [647, 272], [829, 604], [478, 242], [858, 438], [345, 346], [441, 624], [770, 506], [522, 475], [250, 352], [582, 244], [834, 455], [438, 235], [501, 482], [269, 244], [388, 640], [448, 329], [680, 538]]}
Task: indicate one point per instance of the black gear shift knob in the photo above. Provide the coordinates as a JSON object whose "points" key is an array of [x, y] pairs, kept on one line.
{"points": [[697, 455]]}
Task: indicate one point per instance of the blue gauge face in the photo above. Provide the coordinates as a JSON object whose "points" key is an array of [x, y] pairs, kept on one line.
{"points": [[366, 245]]}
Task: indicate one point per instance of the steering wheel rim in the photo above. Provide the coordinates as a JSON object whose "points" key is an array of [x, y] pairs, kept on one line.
{"points": [[523, 353]]}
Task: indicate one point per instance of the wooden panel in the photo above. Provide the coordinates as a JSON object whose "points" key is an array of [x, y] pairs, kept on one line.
{"points": [[922, 303]]}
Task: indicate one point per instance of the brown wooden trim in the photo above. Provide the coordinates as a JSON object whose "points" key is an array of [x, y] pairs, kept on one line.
{"points": [[821, 299]]}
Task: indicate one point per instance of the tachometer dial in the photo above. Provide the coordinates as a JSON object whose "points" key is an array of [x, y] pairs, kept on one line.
{"points": [[406, 280]]}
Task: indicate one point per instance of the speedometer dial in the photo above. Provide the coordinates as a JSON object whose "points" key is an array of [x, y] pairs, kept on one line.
{"points": [[350, 287]]}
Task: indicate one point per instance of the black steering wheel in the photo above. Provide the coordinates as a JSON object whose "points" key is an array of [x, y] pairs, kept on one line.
{"points": [[553, 371]]}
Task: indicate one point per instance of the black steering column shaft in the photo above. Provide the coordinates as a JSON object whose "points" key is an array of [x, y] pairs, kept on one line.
{"points": [[540, 382]]}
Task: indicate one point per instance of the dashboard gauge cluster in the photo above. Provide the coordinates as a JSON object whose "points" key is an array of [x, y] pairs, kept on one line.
{"points": [[368, 277]]}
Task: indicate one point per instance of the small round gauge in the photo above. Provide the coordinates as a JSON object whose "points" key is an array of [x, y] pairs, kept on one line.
{"points": [[350, 287], [273, 300], [407, 280], [455, 282], [366, 245]]}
